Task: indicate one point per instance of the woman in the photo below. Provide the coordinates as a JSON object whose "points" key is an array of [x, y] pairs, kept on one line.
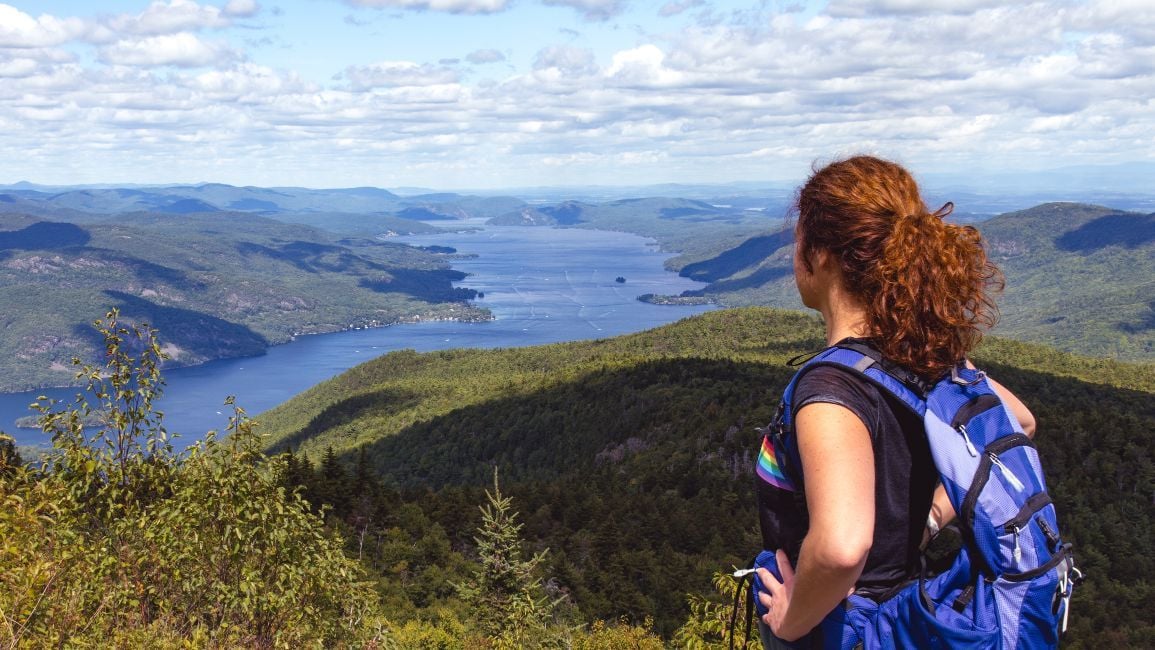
{"points": [[878, 266]]}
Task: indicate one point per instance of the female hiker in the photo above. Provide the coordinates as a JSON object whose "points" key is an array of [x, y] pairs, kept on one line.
{"points": [[886, 272]]}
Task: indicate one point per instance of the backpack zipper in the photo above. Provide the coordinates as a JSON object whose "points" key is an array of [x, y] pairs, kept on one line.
{"points": [[967, 412], [976, 405], [1033, 505], [1007, 473], [1015, 526], [1017, 554], [983, 474], [967, 439], [1052, 536]]}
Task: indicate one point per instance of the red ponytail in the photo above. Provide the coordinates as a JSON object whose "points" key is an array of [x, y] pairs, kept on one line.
{"points": [[926, 284]]}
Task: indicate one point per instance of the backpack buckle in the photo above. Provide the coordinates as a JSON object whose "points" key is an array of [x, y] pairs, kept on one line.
{"points": [[957, 377]]}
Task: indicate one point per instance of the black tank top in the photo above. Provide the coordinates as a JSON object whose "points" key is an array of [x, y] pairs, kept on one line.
{"points": [[905, 476]]}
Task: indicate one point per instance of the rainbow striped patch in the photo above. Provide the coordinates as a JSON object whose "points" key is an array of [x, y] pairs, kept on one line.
{"points": [[768, 468]]}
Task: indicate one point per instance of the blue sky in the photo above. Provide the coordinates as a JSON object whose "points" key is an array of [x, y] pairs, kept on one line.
{"points": [[478, 94]]}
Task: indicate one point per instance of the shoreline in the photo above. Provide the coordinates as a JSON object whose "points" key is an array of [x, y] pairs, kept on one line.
{"points": [[480, 315]]}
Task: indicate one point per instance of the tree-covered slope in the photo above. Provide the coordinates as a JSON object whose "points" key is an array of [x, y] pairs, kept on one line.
{"points": [[1079, 277], [218, 284], [632, 458]]}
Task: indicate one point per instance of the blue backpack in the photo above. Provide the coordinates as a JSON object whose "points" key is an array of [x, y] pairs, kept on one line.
{"points": [[1010, 584]]}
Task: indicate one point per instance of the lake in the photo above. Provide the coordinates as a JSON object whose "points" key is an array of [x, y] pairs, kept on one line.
{"points": [[543, 285]]}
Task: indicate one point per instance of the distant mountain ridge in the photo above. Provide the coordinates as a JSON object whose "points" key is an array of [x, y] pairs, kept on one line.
{"points": [[1078, 277], [69, 204]]}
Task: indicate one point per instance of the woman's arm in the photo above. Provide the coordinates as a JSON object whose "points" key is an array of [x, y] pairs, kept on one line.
{"points": [[1015, 405], [838, 462]]}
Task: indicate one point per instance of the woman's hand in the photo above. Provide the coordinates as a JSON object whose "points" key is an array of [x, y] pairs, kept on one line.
{"points": [[776, 596]]}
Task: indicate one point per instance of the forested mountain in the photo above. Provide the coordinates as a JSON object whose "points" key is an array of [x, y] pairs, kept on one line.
{"points": [[632, 460], [219, 284], [1079, 277]]}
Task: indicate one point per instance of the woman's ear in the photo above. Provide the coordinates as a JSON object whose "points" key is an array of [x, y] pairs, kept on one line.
{"points": [[822, 258]]}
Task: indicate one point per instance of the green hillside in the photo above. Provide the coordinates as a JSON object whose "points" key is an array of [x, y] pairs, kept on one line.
{"points": [[1079, 277], [632, 458], [218, 284]]}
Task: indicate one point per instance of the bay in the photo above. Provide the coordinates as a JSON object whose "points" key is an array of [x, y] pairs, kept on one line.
{"points": [[543, 285]]}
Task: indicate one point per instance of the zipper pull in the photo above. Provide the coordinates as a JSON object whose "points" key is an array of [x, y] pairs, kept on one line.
{"points": [[970, 445], [1007, 473], [1017, 554], [742, 573]]}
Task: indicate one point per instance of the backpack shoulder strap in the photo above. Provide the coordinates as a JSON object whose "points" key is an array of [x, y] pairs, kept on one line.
{"points": [[858, 356]]}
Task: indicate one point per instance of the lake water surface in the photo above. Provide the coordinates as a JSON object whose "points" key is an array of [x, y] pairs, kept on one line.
{"points": [[543, 285]]}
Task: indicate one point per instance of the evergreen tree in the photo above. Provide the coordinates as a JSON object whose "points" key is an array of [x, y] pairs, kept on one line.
{"points": [[333, 483], [506, 591]]}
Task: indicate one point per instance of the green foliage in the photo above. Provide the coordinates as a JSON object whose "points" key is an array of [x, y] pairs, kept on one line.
{"points": [[709, 625], [632, 458], [505, 590], [1074, 284], [620, 636], [115, 537]]}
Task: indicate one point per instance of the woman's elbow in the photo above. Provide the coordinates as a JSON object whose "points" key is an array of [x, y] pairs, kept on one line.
{"points": [[843, 553], [1028, 424], [1026, 419]]}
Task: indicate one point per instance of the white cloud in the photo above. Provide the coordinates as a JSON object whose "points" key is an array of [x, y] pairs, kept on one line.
{"points": [[866, 8], [566, 61], [398, 73], [642, 67], [1133, 19], [18, 29], [242, 8], [736, 95], [485, 56], [181, 50], [169, 18], [248, 82], [675, 7], [591, 9], [448, 6], [18, 67]]}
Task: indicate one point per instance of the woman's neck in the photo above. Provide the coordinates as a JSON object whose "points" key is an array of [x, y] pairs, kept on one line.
{"points": [[844, 316]]}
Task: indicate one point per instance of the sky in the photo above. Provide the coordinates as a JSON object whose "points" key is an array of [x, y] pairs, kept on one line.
{"points": [[486, 94]]}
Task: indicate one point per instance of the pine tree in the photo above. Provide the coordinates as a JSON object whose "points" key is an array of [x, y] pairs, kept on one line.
{"points": [[506, 591], [334, 483]]}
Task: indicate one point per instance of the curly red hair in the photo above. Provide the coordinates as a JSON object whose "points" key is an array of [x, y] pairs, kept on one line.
{"points": [[926, 284]]}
